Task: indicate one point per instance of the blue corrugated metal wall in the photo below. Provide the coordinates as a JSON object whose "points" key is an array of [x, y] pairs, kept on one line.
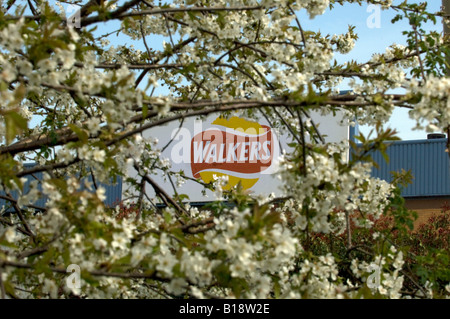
{"points": [[113, 191], [40, 202], [428, 162]]}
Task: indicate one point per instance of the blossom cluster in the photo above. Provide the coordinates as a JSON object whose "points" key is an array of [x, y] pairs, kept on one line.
{"points": [[433, 110], [322, 192]]}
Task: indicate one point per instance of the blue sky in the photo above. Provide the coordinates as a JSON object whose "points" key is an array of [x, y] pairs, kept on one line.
{"points": [[371, 40]]}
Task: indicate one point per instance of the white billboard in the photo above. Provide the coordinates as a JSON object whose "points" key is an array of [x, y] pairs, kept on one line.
{"points": [[239, 149]]}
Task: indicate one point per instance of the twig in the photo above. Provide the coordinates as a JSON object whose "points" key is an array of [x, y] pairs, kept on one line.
{"points": [[2, 286]]}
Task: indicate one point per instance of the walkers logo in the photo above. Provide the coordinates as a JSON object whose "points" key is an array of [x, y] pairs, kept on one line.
{"points": [[246, 151], [237, 148]]}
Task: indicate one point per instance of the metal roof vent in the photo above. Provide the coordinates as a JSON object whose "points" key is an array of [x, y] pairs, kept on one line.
{"points": [[433, 136]]}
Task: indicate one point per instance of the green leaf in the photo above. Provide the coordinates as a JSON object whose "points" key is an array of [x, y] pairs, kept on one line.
{"points": [[167, 217], [9, 289], [88, 277], [385, 156], [182, 197], [82, 134], [15, 124], [144, 111]]}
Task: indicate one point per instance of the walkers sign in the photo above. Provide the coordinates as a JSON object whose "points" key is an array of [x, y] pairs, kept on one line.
{"points": [[243, 150], [237, 148]]}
